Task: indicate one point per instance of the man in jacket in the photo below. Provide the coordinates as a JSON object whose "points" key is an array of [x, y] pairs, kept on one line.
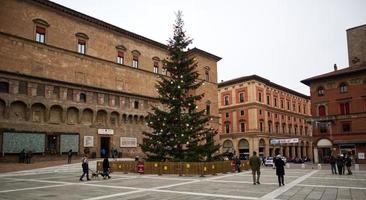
{"points": [[340, 164], [255, 165], [280, 170], [106, 168], [332, 161], [85, 166]]}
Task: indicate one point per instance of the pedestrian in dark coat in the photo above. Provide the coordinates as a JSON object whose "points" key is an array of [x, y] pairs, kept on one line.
{"points": [[22, 156], [29, 156], [332, 161], [69, 156], [280, 170], [106, 168], [85, 166], [349, 164], [340, 164], [237, 163]]}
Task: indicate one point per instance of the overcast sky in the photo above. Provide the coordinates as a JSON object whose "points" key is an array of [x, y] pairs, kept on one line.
{"points": [[284, 41]]}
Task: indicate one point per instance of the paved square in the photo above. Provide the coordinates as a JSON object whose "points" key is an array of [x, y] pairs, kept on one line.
{"points": [[62, 182]]}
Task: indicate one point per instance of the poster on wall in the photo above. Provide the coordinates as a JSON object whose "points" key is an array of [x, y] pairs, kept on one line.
{"points": [[128, 142], [361, 155], [88, 141]]}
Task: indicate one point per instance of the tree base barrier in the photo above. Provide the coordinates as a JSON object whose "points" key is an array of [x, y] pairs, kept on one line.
{"points": [[179, 168]]}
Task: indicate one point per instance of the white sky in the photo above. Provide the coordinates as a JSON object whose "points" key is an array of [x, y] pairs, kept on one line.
{"points": [[284, 41]]}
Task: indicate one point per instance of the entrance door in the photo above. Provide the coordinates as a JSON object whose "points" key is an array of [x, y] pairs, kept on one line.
{"points": [[52, 144], [104, 147]]}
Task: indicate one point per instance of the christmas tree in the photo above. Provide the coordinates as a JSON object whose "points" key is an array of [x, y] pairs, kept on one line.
{"points": [[180, 130]]}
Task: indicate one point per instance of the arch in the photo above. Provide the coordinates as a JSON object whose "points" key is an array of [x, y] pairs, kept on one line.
{"points": [[101, 117], [114, 119], [155, 58], [2, 109], [324, 143], [18, 110], [243, 147], [87, 116], [56, 114], [121, 47], [141, 119], [124, 118], [41, 22], [130, 118], [227, 146], [136, 53], [38, 112], [136, 118], [82, 35], [72, 115]]}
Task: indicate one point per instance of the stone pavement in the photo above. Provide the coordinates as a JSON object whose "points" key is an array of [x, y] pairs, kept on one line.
{"points": [[62, 182]]}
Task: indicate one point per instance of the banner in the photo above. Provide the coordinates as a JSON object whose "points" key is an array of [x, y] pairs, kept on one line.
{"points": [[285, 141]]}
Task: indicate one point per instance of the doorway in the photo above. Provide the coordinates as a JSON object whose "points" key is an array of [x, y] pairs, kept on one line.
{"points": [[104, 147], [52, 144]]}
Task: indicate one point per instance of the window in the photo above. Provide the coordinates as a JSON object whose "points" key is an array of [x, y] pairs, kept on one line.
{"points": [[293, 107], [288, 105], [40, 90], [304, 109], [268, 100], [4, 87], [323, 128], [227, 128], [346, 127], [70, 95], [344, 108], [276, 116], [321, 91], [156, 67], [343, 88], [106, 99], [120, 57], [281, 103], [82, 97], [226, 100], [260, 112], [242, 113], [260, 97], [207, 76], [321, 110], [227, 115], [283, 128], [270, 127], [56, 91], [241, 97], [261, 126], [40, 34], [208, 109], [269, 114], [136, 105], [277, 128], [23, 87], [299, 107], [81, 46], [275, 102], [135, 62], [242, 127]]}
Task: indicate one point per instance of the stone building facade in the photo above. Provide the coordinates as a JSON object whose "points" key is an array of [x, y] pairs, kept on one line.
{"points": [[70, 81], [339, 104], [259, 115]]}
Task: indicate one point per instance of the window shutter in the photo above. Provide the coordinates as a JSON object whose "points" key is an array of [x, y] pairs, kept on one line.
{"points": [[40, 30], [81, 42]]}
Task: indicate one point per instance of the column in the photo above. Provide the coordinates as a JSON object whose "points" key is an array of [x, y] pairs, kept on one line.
{"points": [[304, 151], [293, 151], [310, 150], [287, 151], [298, 151], [316, 159], [266, 149]]}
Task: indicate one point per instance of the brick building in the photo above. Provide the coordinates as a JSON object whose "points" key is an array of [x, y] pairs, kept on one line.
{"points": [[259, 115], [70, 81], [339, 104]]}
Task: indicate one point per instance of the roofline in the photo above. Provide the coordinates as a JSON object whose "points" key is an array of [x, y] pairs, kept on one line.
{"points": [[263, 80], [356, 27], [197, 50], [109, 26]]}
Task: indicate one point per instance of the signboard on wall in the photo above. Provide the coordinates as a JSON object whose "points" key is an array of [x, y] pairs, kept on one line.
{"points": [[361, 155], [105, 131], [128, 142], [285, 141], [88, 141]]}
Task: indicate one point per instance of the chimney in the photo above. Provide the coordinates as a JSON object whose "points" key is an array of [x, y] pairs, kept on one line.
{"points": [[335, 67]]}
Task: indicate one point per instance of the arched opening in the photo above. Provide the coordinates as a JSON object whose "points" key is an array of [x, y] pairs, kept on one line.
{"points": [[87, 116], [56, 114], [228, 148], [2, 109], [243, 147], [124, 118], [324, 150], [18, 110], [38, 112], [4, 87], [114, 118], [101, 117], [72, 115]]}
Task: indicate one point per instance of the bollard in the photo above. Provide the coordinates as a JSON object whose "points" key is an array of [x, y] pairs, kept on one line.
{"points": [[357, 167], [319, 166], [303, 166], [288, 165]]}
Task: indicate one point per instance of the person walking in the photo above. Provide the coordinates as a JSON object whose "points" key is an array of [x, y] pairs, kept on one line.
{"points": [[29, 156], [340, 164], [69, 156], [332, 161], [106, 168], [255, 165], [349, 164], [22, 156], [280, 170], [85, 166], [237, 163]]}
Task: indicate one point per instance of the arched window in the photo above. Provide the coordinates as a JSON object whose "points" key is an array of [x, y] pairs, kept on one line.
{"points": [[82, 39], [321, 110], [4, 87], [135, 58], [82, 97], [343, 88], [321, 91], [120, 54], [40, 30]]}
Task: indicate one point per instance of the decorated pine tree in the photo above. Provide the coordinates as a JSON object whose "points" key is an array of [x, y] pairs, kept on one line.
{"points": [[180, 129]]}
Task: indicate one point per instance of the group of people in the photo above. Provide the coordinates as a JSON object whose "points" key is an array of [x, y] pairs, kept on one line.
{"points": [[255, 165], [25, 157], [342, 162], [85, 166]]}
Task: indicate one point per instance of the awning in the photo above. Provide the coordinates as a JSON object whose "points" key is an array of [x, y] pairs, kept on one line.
{"points": [[324, 143], [349, 141]]}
